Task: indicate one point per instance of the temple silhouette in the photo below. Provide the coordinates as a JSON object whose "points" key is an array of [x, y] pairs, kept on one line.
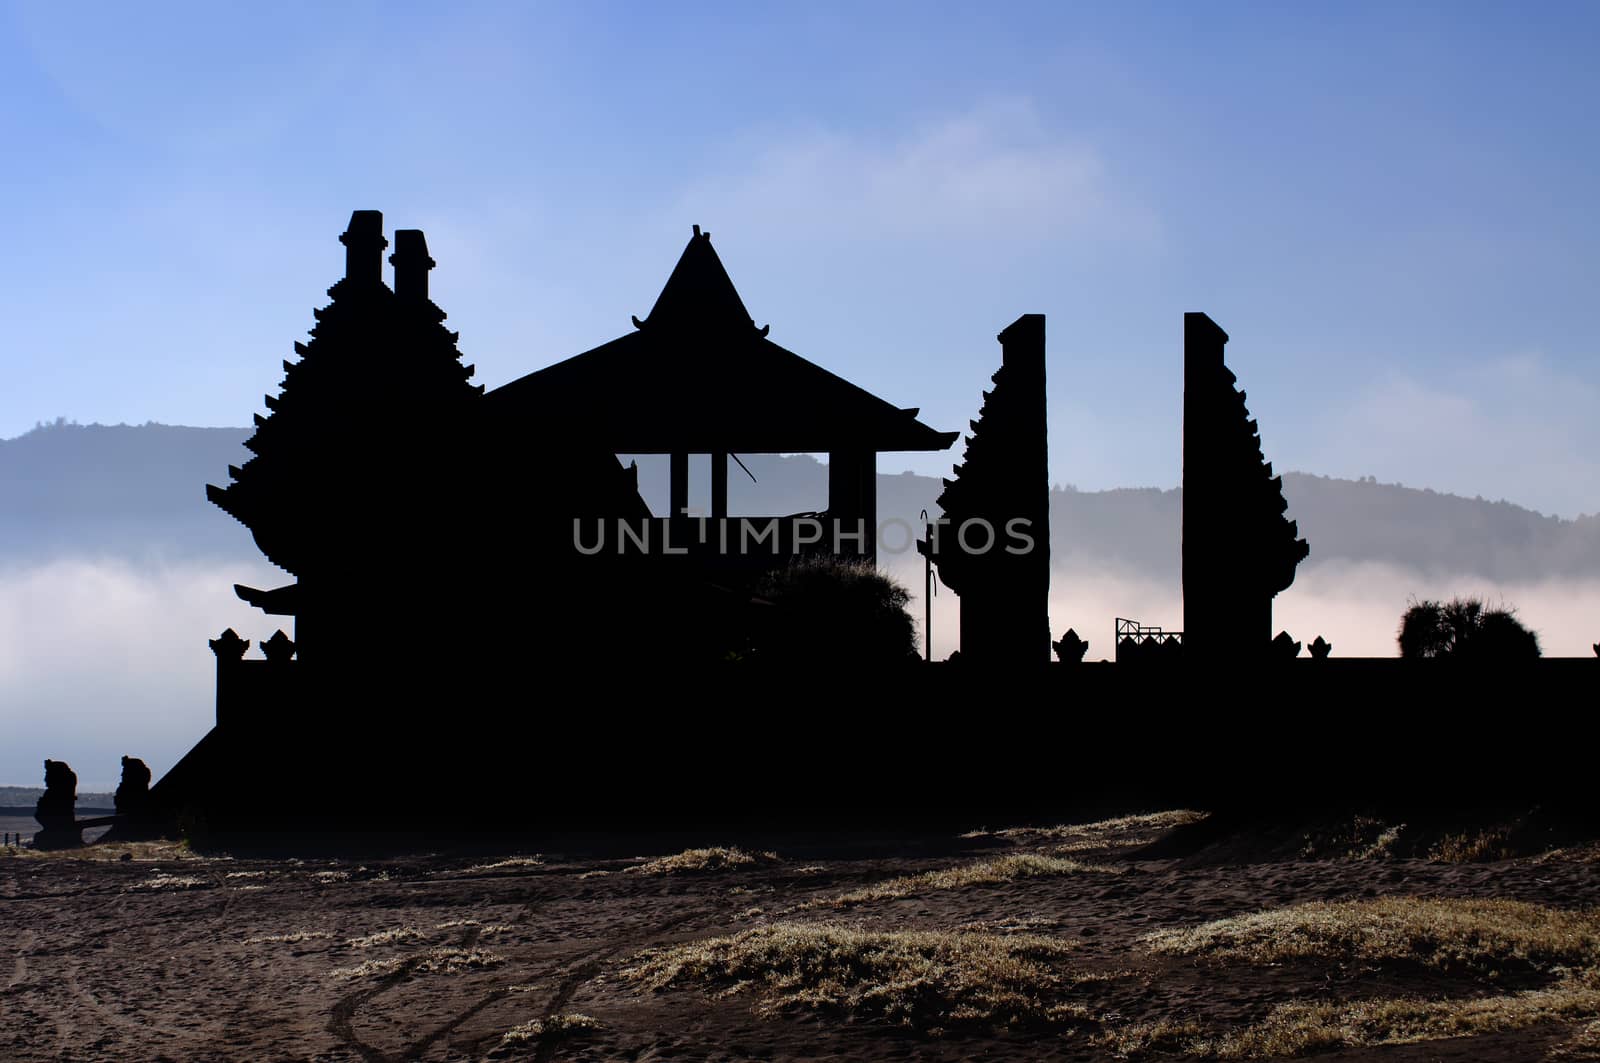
{"points": [[390, 486], [387, 484], [481, 594]]}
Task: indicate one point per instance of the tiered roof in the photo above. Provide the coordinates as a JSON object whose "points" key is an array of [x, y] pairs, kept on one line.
{"points": [[365, 416], [698, 376]]}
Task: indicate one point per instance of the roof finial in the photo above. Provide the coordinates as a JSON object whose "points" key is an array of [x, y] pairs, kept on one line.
{"points": [[697, 232], [411, 264], [363, 247]]}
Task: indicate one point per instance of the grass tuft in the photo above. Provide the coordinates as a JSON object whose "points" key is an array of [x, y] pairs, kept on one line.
{"points": [[509, 862], [983, 873], [172, 882], [1302, 1028], [694, 860], [482, 928], [293, 937], [1473, 848], [928, 980], [1119, 831], [386, 937], [1484, 936], [444, 960], [1583, 1044], [564, 1025]]}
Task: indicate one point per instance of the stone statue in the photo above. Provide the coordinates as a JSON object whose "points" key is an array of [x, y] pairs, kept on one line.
{"points": [[56, 810]]}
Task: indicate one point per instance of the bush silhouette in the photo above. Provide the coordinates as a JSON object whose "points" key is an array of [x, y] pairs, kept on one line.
{"points": [[1463, 629], [831, 610]]}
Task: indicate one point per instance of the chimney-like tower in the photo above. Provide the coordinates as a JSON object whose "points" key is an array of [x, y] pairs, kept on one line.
{"points": [[411, 264], [363, 247]]}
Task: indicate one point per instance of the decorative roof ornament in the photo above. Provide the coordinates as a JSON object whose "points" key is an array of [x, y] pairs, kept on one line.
{"points": [[279, 648], [228, 646], [700, 296]]}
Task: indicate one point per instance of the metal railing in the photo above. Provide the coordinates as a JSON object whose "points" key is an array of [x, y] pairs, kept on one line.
{"points": [[1137, 641]]}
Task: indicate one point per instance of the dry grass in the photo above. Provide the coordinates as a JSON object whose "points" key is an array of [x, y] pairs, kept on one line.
{"points": [[386, 937], [1301, 1028], [509, 862], [1165, 1037], [1474, 848], [1363, 838], [1025, 925], [443, 960], [1123, 832], [564, 1025], [694, 860], [172, 882], [293, 937], [1584, 1044], [1382, 847], [1485, 936], [164, 851], [983, 873], [928, 980], [482, 928]]}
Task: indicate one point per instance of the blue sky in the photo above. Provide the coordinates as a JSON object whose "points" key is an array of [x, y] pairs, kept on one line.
{"points": [[1389, 207]]}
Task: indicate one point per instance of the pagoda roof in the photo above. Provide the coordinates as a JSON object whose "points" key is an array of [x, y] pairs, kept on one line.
{"points": [[697, 376]]}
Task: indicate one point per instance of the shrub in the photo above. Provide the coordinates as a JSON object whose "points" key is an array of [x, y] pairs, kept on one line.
{"points": [[835, 610], [1463, 629]]}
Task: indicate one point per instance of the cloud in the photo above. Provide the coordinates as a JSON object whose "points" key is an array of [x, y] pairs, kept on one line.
{"points": [[100, 658], [995, 172], [1518, 428]]}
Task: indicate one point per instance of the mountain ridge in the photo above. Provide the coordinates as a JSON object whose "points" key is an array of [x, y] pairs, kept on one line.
{"points": [[136, 492]]}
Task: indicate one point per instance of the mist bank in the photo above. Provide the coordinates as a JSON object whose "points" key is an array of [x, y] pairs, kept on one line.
{"points": [[101, 658], [115, 571]]}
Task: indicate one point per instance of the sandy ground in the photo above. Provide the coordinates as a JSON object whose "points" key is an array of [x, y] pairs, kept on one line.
{"points": [[169, 956]]}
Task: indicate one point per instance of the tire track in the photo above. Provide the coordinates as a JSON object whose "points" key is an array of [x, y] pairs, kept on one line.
{"points": [[345, 1008], [590, 966], [19, 972], [341, 1021]]}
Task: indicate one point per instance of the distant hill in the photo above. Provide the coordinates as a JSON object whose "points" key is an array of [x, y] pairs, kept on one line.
{"points": [[135, 492], [138, 493], [28, 796]]}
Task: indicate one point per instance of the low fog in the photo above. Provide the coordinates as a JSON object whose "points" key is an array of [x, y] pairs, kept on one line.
{"points": [[114, 571], [100, 658], [1354, 605]]}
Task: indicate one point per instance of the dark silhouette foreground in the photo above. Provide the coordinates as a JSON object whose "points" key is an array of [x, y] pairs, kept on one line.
{"points": [[56, 810], [493, 630]]}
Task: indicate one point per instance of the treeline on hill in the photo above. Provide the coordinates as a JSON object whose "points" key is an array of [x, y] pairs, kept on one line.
{"points": [[137, 492], [28, 796]]}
